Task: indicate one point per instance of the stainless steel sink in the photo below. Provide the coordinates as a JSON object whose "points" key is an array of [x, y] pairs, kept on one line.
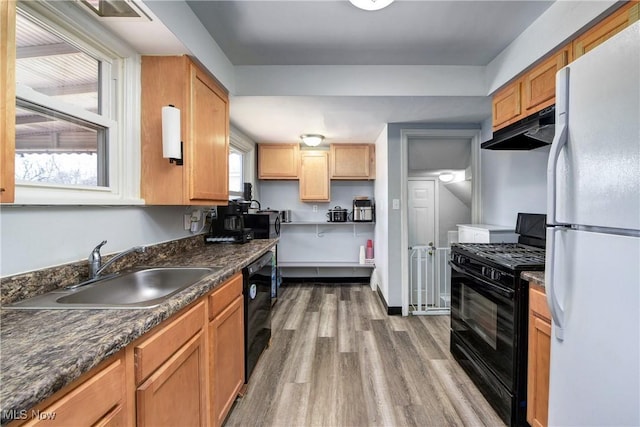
{"points": [[143, 288]]}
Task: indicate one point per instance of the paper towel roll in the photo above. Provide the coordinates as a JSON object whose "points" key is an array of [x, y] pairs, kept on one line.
{"points": [[171, 133]]}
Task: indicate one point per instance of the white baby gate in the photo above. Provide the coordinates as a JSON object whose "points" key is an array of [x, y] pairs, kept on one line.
{"points": [[429, 280]]}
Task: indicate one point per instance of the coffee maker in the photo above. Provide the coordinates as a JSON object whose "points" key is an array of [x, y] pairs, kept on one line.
{"points": [[363, 210], [228, 225]]}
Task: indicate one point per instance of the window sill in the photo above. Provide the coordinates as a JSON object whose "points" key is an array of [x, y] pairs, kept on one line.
{"points": [[51, 195]]}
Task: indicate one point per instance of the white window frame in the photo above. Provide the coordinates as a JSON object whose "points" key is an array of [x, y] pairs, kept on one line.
{"points": [[240, 142], [122, 87]]}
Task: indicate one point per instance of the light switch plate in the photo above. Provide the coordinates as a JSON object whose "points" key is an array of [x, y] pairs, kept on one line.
{"points": [[396, 204], [187, 221]]}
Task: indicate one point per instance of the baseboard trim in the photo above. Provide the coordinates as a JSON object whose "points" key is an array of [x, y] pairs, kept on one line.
{"points": [[391, 311]]}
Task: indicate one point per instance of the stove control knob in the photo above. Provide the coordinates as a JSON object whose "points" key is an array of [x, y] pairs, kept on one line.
{"points": [[496, 275]]}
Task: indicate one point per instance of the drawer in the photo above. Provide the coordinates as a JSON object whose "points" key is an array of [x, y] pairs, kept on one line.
{"points": [[224, 295], [155, 350], [538, 303], [88, 403]]}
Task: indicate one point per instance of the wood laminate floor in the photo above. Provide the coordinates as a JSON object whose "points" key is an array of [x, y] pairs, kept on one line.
{"points": [[337, 359]]}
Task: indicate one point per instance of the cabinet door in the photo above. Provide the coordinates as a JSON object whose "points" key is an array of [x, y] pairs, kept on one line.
{"points": [[350, 161], [539, 363], [539, 84], [101, 399], [7, 100], [507, 105], [314, 176], [208, 149], [607, 28], [174, 395], [227, 359], [278, 161]]}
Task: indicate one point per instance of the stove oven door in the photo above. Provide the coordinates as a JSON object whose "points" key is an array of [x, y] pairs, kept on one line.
{"points": [[483, 317]]}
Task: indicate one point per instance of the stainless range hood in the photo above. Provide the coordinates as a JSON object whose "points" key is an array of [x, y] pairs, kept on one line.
{"points": [[531, 132]]}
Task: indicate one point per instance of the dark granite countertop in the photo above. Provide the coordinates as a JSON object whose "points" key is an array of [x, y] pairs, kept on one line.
{"points": [[44, 350], [536, 277]]}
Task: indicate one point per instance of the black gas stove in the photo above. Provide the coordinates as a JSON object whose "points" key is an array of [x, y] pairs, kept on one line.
{"points": [[489, 308], [510, 256]]}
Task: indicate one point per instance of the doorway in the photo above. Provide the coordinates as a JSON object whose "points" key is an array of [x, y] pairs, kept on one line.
{"points": [[421, 238]]}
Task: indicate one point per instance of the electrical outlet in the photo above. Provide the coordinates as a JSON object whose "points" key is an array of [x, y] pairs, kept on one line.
{"points": [[195, 215], [187, 221], [315, 208]]}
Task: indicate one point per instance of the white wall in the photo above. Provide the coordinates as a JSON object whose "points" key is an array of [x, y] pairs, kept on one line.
{"points": [[178, 17], [559, 23], [382, 213], [452, 211], [44, 236], [512, 182], [280, 195]]}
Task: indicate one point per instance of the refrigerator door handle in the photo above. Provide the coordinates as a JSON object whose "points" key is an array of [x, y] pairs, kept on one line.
{"points": [[557, 312], [559, 141]]}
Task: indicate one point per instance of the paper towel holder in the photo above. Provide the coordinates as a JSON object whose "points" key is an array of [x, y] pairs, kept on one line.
{"points": [[171, 141]]}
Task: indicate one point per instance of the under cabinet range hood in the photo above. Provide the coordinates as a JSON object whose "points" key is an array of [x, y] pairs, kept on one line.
{"points": [[531, 132]]}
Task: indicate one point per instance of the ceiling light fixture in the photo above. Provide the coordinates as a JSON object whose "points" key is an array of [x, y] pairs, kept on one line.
{"points": [[311, 139], [371, 4], [445, 177]]}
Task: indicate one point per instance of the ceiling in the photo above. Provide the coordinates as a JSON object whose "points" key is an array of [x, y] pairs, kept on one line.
{"points": [[335, 33]]}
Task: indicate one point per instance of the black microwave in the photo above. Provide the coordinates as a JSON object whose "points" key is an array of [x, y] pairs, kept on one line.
{"points": [[265, 225]]}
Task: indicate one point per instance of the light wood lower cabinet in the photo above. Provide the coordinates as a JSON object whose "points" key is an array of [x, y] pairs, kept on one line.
{"points": [[99, 399], [314, 176], [539, 358], [226, 347], [175, 394], [185, 372], [171, 371]]}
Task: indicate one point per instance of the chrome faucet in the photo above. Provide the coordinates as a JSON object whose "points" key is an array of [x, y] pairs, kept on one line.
{"points": [[95, 259]]}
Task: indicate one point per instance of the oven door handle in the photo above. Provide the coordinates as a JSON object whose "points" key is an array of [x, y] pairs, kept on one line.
{"points": [[490, 286]]}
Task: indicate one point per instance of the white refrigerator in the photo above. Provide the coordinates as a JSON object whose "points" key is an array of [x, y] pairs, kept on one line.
{"points": [[593, 238]]}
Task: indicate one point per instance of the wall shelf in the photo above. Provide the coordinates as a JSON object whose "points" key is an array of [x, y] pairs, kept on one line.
{"points": [[319, 224], [333, 264]]}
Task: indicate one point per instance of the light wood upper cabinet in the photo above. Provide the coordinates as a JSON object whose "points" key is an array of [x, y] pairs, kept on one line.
{"points": [[607, 28], [204, 116], [507, 105], [314, 176], [539, 84], [539, 358], [535, 89], [532, 92], [99, 400], [278, 161], [352, 161], [226, 347], [7, 100]]}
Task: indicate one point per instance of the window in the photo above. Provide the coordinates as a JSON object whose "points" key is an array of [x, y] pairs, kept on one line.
{"points": [[236, 176], [71, 106], [242, 164], [59, 139]]}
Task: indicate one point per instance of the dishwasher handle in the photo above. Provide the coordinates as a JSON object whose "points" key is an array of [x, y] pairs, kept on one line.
{"points": [[260, 263]]}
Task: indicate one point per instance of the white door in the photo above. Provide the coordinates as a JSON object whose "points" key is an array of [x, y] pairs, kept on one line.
{"points": [[422, 231], [422, 212]]}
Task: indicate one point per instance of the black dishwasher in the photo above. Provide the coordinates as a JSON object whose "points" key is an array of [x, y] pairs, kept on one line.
{"points": [[257, 310]]}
